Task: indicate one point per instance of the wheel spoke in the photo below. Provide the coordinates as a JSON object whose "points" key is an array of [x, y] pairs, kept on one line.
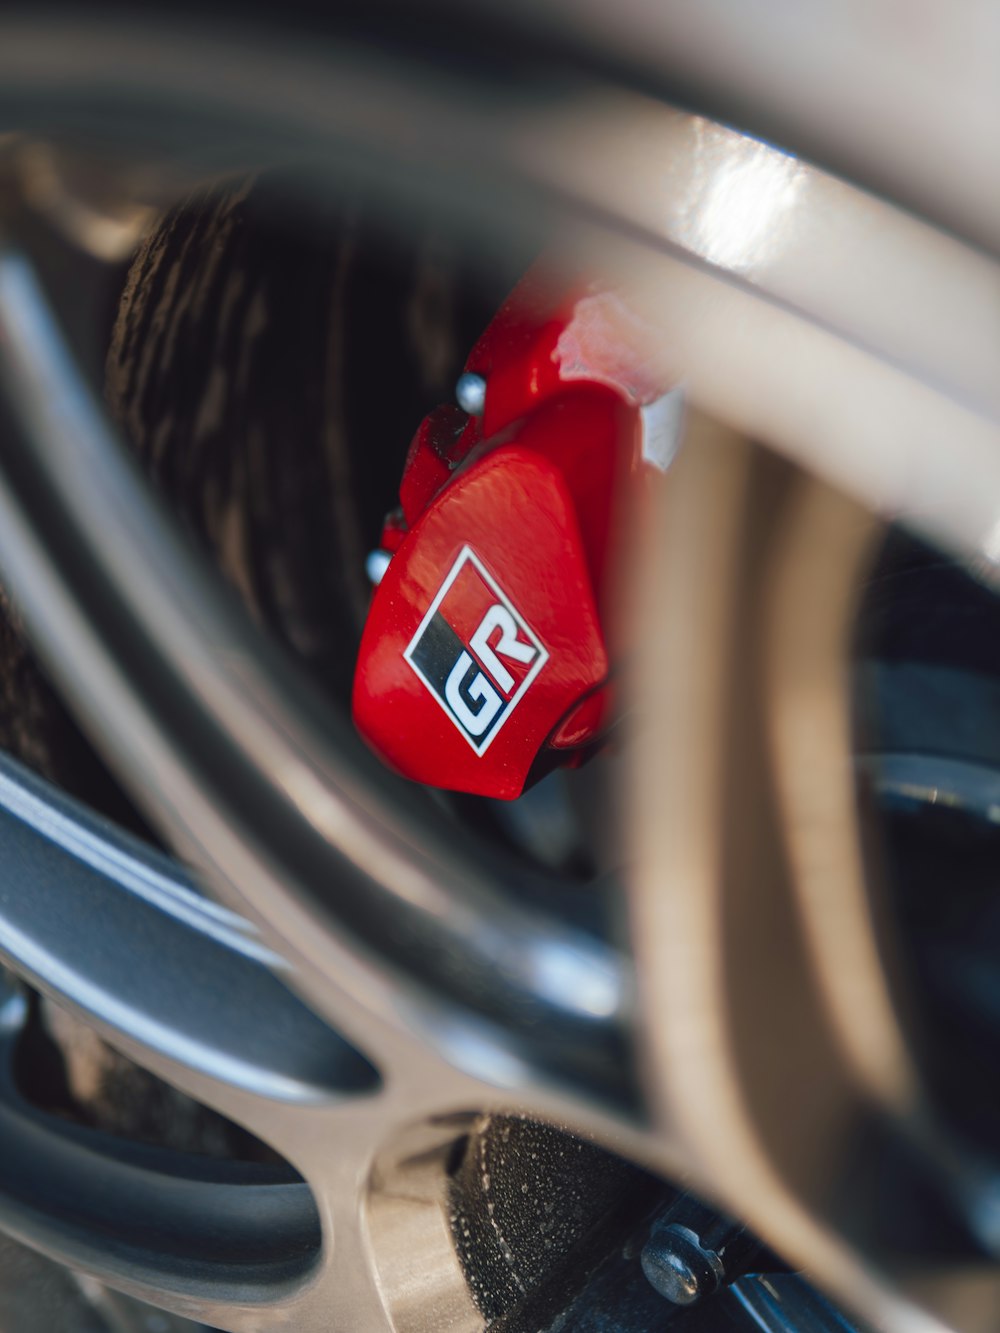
{"points": [[119, 935], [763, 979], [117, 932], [777, 1052], [274, 798]]}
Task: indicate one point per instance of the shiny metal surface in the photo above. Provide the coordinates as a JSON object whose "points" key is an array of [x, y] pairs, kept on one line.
{"points": [[376, 564], [308, 775], [470, 394], [929, 735], [933, 779], [115, 932], [901, 100], [889, 342], [858, 368], [676, 1264], [786, 1303], [780, 1053]]}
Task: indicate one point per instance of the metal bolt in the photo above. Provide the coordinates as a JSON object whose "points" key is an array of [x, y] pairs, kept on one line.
{"points": [[376, 563], [677, 1266], [13, 1002], [470, 394]]}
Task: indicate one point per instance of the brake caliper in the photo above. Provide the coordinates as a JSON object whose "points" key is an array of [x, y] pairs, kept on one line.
{"points": [[485, 659]]}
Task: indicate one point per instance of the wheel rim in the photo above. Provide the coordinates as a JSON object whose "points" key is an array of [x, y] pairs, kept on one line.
{"points": [[273, 804]]}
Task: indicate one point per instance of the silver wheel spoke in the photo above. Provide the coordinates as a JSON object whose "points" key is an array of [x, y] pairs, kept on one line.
{"points": [[116, 931], [775, 1060], [275, 800], [777, 1053]]}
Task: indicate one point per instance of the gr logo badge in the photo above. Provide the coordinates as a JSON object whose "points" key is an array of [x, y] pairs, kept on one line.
{"points": [[474, 652]]}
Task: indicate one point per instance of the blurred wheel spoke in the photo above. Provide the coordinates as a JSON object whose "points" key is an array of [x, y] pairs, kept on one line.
{"points": [[116, 932], [243, 767], [777, 1053]]}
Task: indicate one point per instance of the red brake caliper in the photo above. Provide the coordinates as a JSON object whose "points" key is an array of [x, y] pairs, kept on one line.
{"points": [[485, 658]]}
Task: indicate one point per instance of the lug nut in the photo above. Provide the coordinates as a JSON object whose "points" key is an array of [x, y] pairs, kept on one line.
{"points": [[678, 1267]]}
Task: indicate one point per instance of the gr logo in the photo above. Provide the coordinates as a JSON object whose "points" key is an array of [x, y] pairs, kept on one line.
{"points": [[475, 653]]}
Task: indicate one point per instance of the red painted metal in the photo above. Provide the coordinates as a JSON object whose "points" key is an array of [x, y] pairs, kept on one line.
{"points": [[485, 658]]}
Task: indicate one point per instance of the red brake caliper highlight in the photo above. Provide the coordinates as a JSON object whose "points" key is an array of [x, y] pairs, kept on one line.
{"points": [[485, 658]]}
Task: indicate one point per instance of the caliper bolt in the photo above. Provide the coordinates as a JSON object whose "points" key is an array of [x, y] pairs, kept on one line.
{"points": [[13, 1002], [376, 563], [679, 1267], [470, 394]]}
